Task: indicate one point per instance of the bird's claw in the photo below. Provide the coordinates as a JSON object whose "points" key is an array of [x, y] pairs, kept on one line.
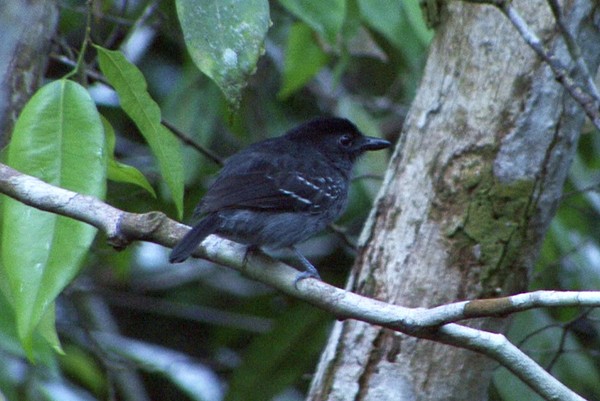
{"points": [[309, 273], [250, 249], [309, 270]]}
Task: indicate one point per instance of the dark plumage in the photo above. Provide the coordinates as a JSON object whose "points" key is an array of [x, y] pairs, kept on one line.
{"points": [[281, 191]]}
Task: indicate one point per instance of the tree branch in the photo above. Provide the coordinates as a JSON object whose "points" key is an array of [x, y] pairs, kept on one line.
{"points": [[497, 347], [433, 324], [574, 50], [585, 95]]}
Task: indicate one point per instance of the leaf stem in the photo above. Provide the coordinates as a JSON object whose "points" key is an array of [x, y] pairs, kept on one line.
{"points": [[86, 40]]}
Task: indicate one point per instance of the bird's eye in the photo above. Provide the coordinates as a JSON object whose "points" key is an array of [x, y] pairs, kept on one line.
{"points": [[346, 140]]}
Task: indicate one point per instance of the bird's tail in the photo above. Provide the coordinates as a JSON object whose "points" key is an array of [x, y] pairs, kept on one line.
{"points": [[193, 238]]}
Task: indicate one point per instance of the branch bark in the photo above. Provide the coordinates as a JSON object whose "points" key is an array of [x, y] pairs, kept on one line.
{"points": [[432, 324], [455, 143], [466, 201]]}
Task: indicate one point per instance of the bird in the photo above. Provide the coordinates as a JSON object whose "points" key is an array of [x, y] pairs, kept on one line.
{"points": [[279, 192]]}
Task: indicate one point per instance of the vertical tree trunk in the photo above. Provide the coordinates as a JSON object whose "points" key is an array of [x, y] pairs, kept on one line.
{"points": [[26, 27], [470, 191]]}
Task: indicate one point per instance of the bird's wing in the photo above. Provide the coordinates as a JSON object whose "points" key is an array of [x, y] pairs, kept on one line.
{"points": [[264, 186]]}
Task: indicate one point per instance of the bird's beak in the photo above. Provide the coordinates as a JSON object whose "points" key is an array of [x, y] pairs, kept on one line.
{"points": [[371, 143]]}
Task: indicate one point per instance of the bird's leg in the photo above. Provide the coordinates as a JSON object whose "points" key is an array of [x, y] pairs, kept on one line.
{"points": [[309, 270], [250, 249]]}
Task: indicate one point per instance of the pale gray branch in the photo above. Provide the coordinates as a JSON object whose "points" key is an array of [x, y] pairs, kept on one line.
{"points": [[122, 227], [496, 346]]}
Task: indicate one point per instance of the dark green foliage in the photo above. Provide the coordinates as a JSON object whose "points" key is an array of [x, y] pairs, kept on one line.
{"points": [[130, 322], [133, 325]]}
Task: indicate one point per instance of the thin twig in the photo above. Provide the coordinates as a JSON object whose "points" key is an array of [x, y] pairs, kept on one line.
{"points": [[146, 14], [376, 177], [574, 50], [563, 338], [117, 29], [66, 60], [80, 64], [589, 188], [185, 138], [108, 17], [589, 103], [537, 331]]}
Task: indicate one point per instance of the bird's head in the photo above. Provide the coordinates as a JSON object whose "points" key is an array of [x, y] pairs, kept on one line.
{"points": [[336, 138]]}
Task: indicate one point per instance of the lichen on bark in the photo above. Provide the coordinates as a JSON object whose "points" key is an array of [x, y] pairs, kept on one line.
{"points": [[484, 221]]}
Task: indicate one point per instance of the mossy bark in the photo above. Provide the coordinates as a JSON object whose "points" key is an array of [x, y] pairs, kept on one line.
{"points": [[466, 202]]}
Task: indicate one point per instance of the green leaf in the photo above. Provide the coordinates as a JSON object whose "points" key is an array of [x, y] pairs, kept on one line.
{"points": [[303, 59], [400, 22], [11, 344], [59, 139], [279, 358], [47, 329], [386, 17], [225, 39], [84, 368], [325, 17], [131, 86], [414, 14], [118, 171]]}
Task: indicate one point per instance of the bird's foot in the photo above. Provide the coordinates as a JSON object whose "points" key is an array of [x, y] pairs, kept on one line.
{"points": [[250, 249], [309, 270], [307, 274]]}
